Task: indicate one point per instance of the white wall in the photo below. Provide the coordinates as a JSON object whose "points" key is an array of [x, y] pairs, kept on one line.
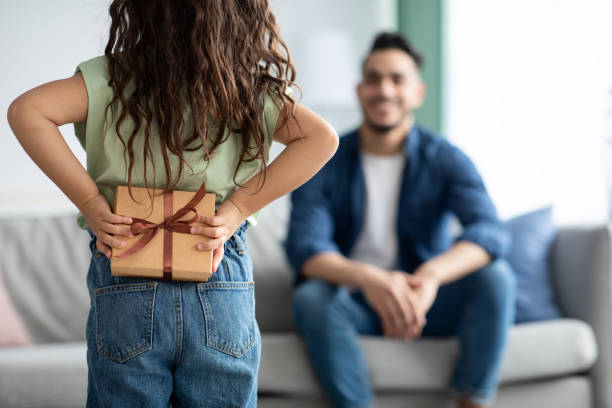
{"points": [[527, 93], [41, 41], [44, 40], [328, 40]]}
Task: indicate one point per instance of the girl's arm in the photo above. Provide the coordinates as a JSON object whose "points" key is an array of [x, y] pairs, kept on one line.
{"points": [[35, 117], [310, 142]]}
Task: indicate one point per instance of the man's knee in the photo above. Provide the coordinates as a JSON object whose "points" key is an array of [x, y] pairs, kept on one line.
{"points": [[497, 283], [313, 301]]}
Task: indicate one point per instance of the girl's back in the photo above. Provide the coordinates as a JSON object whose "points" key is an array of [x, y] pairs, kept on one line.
{"points": [[108, 167]]}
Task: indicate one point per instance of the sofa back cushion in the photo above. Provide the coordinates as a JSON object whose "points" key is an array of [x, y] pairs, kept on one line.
{"points": [[13, 332], [44, 260], [273, 277]]}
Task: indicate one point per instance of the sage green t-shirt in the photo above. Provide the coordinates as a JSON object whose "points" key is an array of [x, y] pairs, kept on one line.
{"points": [[105, 157]]}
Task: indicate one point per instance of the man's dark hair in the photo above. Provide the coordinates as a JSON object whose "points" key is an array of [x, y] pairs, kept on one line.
{"points": [[395, 41]]}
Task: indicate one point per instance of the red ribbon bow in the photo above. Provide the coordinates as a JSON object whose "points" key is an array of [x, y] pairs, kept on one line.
{"points": [[170, 224]]}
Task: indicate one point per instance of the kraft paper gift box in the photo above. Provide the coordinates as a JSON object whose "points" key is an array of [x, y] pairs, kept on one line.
{"points": [[169, 255]]}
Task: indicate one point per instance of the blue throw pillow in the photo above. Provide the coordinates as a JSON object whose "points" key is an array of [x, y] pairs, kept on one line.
{"points": [[532, 237]]}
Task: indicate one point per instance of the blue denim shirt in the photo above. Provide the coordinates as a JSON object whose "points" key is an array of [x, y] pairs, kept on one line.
{"points": [[439, 180]]}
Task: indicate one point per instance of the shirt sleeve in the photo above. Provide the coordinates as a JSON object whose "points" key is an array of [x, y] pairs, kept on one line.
{"points": [[272, 107], [95, 76], [467, 198], [311, 224]]}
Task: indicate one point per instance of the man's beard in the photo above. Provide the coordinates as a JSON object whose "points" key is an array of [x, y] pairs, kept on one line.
{"points": [[382, 128], [378, 128]]}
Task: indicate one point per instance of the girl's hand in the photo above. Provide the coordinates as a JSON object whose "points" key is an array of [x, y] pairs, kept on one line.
{"points": [[218, 228], [103, 222]]}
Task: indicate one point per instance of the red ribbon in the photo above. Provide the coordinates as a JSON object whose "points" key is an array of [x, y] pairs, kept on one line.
{"points": [[171, 224]]}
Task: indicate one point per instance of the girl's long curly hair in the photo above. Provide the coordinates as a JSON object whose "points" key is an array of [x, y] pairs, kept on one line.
{"points": [[215, 57]]}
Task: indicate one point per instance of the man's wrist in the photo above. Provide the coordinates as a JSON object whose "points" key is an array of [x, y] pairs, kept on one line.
{"points": [[430, 272], [366, 275]]}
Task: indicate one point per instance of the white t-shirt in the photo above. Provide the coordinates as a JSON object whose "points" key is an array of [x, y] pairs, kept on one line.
{"points": [[377, 240]]}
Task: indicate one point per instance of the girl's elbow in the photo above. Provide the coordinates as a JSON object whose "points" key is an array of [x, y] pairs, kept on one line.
{"points": [[23, 112], [20, 109], [331, 140], [14, 112]]}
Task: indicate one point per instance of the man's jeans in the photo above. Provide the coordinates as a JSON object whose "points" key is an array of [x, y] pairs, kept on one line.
{"points": [[478, 308], [151, 343]]}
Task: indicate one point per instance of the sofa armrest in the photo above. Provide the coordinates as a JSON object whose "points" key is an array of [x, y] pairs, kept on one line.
{"points": [[582, 274]]}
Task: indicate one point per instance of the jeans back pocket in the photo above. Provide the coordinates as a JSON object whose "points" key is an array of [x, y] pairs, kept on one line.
{"points": [[229, 311], [124, 320]]}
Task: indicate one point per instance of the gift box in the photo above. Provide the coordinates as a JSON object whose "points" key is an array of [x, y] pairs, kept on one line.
{"points": [[162, 246]]}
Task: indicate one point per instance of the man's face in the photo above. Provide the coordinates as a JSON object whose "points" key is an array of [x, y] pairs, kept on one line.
{"points": [[390, 90]]}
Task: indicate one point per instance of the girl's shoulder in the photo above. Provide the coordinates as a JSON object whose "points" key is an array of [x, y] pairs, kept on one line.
{"points": [[96, 77], [94, 66], [272, 106]]}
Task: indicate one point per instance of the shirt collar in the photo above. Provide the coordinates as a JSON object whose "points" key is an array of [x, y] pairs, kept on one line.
{"points": [[410, 144]]}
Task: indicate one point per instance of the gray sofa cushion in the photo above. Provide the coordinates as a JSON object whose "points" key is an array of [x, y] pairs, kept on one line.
{"points": [[566, 392], [47, 375], [535, 351]]}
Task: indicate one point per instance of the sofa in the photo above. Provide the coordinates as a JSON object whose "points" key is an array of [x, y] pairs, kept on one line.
{"points": [[558, 363]]}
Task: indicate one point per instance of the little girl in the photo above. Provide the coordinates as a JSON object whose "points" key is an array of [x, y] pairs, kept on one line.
{"points": [[188, 91]]}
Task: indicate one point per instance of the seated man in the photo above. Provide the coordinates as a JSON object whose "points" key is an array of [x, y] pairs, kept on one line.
{"points": [[369, 239]]}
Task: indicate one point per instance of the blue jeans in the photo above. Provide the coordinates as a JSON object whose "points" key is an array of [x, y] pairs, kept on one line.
{"points": [[478, 308], [152, 343]]}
